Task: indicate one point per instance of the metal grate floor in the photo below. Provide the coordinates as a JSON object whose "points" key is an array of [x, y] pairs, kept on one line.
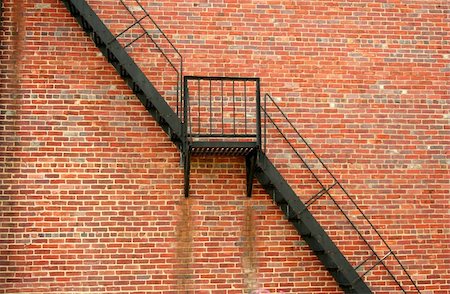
{"points": [[222, 148]]}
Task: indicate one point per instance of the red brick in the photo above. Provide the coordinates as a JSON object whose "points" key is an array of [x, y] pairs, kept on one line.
{"points": [[92, 188]]}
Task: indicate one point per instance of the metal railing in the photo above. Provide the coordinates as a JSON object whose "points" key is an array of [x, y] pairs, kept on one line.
{"points": [[268, 116], [176, 66], [222, 108], [230, 107]]}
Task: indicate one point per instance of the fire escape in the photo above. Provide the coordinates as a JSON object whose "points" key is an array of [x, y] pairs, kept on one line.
{"points": [[229, 116]]}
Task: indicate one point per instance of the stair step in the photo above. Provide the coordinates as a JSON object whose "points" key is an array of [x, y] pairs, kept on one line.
{"points": [[176, 139], [97, 40], [74, 11], [86, 26], [314, 243], [160, 120], [149, 105], [328, 261], [263, 179], [163, 122], [289, 213], [137, 89], [277, 197], [123, 72], [301, 228], [341, 279], [268, 186], [110, 57]]}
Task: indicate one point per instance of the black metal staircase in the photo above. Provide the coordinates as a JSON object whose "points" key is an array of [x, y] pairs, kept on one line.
{"points": [[127, 69], [350, 277], [200, 126]]}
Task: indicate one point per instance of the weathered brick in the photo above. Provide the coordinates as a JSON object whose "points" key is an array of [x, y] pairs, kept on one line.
{"points": [[92, 189]]}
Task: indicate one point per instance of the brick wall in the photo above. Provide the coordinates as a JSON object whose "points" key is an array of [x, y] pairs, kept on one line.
{"points": [[92, 189]]}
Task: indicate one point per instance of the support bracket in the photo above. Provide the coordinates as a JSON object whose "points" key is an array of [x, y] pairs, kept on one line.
{"points": [[250, 166], [187, 168]]}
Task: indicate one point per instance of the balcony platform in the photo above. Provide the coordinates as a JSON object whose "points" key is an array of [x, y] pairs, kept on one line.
{"points": [[233, 148]]}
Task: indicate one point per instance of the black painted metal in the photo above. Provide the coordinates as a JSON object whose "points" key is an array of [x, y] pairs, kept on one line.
{"points": [[138, 21], [207, 124], [309, 228], [250, 167], [186, 158], [127, 68], [221, 148], [246, 144], [209, 134], [327, 191]]}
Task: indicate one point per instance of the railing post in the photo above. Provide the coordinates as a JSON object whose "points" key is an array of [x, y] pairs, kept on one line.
{"points": [[185, 103], [265, 124], [181, 89], [185, 135], [258, 113], [158, 45]]}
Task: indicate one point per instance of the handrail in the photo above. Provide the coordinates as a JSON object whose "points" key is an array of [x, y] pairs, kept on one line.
{"points": [[211, 121], [326, 191], [179, 71]]}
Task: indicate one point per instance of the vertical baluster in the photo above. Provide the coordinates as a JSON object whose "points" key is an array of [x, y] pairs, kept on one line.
{"points": [[221, 90], [210, 109], [258, 112], [198, 110], [234, 112], [245, 107], [265, 123], [188, 105], [178, 95]]}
